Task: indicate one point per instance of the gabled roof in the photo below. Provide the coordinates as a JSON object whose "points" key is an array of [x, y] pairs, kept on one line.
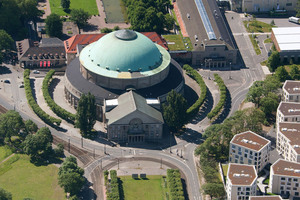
{"points": [[51, 42], [84, 39], [250, 140], [129, 103], [292, 87], [240, 174]]}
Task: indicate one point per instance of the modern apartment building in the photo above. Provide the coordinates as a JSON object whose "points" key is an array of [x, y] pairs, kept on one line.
{"points": [[285, 178], [288, 141], [288, 112], [291, 91], [241, 181], [250, 148], [263, 5]]}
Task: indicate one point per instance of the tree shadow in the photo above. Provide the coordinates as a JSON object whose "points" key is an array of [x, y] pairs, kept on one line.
{"points": [[52, 86], [190, 95], [87, 192], [32, 85], [226, 110], [184, 186], [90, 27], [4, 70], [204, 109], [121, 190], [191, 136]]}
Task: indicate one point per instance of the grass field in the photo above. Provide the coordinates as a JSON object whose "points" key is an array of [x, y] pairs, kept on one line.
{"points": [[23, 179], [257, 26], [176, 43], [88, 5], [149, 189], [4, 152], [268, 40], [113, 11]]}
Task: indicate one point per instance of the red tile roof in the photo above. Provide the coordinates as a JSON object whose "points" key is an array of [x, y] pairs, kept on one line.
{"points": [[241, 174], [84, 39]]}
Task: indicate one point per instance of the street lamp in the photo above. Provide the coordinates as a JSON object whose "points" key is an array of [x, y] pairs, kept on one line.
{"points": [[229, 71]]}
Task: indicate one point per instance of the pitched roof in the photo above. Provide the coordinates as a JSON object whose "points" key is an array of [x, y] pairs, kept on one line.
{"points": [[241, 174], [289, 108], [51, 42], [292, 132], [128, 103], [286, 168], [250, 140], [292, 87], [265, 198], [84, 39]]}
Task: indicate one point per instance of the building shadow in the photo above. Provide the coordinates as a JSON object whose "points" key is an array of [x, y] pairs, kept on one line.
{"points": [[90, 27], [4, 70]]}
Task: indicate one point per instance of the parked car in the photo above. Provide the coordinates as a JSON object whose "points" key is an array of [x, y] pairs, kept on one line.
{"points": [[6, 81], [36, 71]]}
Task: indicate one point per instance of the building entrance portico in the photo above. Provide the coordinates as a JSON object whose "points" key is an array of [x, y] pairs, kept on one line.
{"points": [[136, 138]]}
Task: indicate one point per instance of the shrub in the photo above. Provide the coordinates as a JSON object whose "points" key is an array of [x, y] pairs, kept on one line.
{"points": [[219, 107], [59, 111], [112, 191], [197, 77], [175, 184], [34, 106]]}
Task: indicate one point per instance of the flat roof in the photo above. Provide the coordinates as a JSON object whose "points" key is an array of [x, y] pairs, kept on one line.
{"points": [[286, 168], [241, 174], [292, 87], [288, 38], [250, 140], [292, 132], [289, 108]]}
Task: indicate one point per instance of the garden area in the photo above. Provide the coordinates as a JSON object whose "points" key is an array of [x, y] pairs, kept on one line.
{"points": [[89, 6], [113, 10], [150, 188], [255, 44], [25, 180], [177, 42], [255, 26]]}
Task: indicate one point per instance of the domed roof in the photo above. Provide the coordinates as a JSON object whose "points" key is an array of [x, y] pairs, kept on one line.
{"points": [[124, 51]]}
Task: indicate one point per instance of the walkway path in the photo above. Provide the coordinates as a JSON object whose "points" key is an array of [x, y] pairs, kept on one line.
{"points": [[45, 6], [180, 21], [7, 158]]}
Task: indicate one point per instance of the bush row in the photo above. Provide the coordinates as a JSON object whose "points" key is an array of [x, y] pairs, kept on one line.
{"points": [[197, 77], [113, 192], [175, 184], [34, 106], [59, 111], [216, 111]]}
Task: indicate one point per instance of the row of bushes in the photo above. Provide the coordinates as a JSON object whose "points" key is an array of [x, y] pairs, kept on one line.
{"points": [[34, 106], [59, 111], [175, 184], [197, 77], [112, 189], [219, 107]]}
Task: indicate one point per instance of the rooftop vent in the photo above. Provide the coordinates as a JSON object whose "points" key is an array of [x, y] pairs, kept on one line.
{"points": [[284, 129], [107, 67], [296, 89], [129, 70], [296, 146], [297, 170], [288, 169]]}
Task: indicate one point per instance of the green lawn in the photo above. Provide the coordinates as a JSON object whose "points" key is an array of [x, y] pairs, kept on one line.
{"points": [[255, 45], [149, 189], [257, 26], [87, 5], [177, 43], [4, 152], [23, 179], [113, 11], [268, 40]]}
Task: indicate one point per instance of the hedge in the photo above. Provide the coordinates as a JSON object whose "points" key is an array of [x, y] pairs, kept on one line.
{"points": [[59, 111], [34, 106], [113, 192], [216, 111], [175, 184], [198, 78]]}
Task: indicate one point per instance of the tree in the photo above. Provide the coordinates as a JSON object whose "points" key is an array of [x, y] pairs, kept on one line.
{"points": [[4, 195], [29, 10], [269, 103], [10, 124], [255, 93], [65, 4], [70, 176], [298, 8], [213, 189], [281, 74], [174, 111], [6, 43], [86, 114], [294, 73], [30, 127], [39, 146], [273, 61], [80, 17], [54, 25]]}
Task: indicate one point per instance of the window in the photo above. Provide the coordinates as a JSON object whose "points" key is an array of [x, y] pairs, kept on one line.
{"points": [[295, 180], [296, 193], [289, 4], [294, 188], [246, 150], [240, 149], [283, 179], [233, 146], [239, 188], [281, 188]]}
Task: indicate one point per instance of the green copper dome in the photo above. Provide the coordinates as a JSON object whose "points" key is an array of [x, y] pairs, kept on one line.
{"points": [[123, 51]]}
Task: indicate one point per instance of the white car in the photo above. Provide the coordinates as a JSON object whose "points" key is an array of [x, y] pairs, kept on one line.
{"points": [[36, 71]]}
